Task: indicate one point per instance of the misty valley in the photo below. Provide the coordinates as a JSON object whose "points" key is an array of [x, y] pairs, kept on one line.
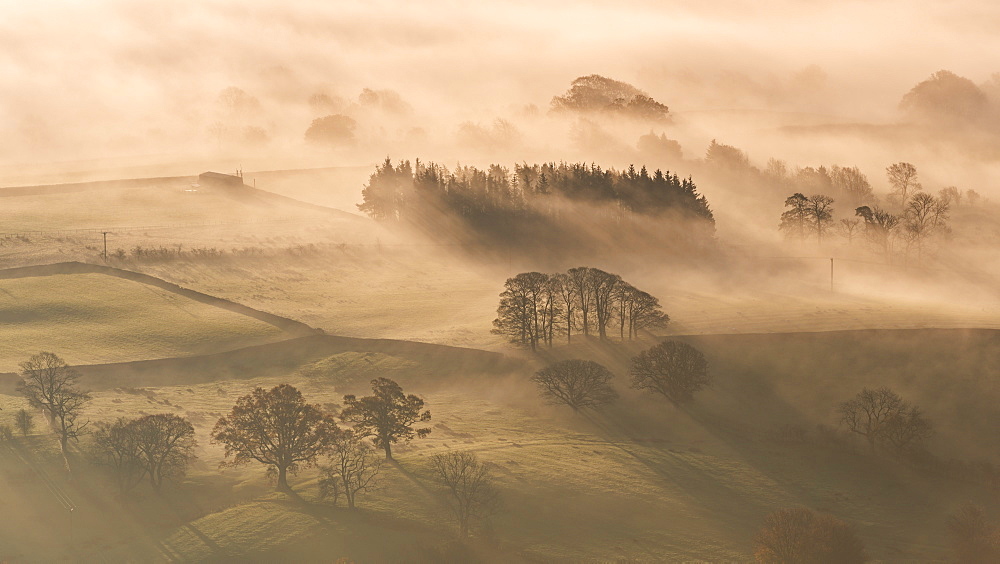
{"points": [[662, 285]]}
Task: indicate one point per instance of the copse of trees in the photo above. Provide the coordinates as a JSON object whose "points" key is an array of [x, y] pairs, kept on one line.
{"points": [[158, 446], [577, 383], [806, 216], [535, 307], [672, 369], [352, 469], [595, 93], [501, 204], [50, 384], [883, 418], [276, 428]]}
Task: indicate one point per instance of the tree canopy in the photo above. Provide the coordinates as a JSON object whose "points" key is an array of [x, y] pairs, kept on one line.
{"points": [[387, 416]]}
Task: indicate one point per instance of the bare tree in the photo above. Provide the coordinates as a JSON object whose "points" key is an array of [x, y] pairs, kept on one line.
{"points": [[950, 195], [50, 384], [848, 228], [275, 427], [116, 446], [582, 283], [525, 309], [567, 292], [577, 383], [676, 370], [881, 416], [387, 415], [353, 468], [924, 216], [472, 493], [798, 535], [819, 210], [166, 443], [24, 421], [852, 185], [903, 180], [880, 228], [603, 287], [974, 538]]}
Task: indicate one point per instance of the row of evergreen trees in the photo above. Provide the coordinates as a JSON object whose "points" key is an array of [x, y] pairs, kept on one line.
{"points": [[498, 198]]}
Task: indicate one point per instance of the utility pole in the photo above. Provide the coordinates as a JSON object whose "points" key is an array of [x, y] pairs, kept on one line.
{"points": [[105, 233]]}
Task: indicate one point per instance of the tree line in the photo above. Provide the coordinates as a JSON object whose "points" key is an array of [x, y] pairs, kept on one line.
{"points": [[499, 202], [536, 307]]}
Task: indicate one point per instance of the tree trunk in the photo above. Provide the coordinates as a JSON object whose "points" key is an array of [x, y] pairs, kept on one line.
{"points": [[283, 478], [388, 445]]}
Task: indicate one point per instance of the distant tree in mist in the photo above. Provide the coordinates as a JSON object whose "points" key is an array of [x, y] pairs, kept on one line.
{"points": [[880, 228], [795, 219], [884, 418], [276, 428], [727, 158], [948, 98], [655, 147], [387, 416], [923, 217], [158, 446], [673, 369], [595, 93], [902, 181], [536, 307], [333, 130], [950, 195], [386, 100], [848, 228], [576, 383], [973, 538], [24, 422], [851, 185], [470, 487], [116, 446], [501, 134], [352, 468], [815, 180], [819, 210], [385, 194], [798, 535], [50, 384]]}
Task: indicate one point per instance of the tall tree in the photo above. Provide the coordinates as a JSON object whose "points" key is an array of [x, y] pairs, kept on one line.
{"points": [[116, 445], [924, 215], [903, 181], [50, 384], [353, 468], [166, 443], [567, 294], [796, 217], [603, 286], [577, 383], [276, 428], [581, 280], [472, 493], [852, 185], [819, 210], [881, 227], [671, 368], [524, 309], [387, 416]]}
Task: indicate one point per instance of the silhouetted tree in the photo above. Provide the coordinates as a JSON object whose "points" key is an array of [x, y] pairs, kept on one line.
{"points": [[946, 97], [848, 228], [116, 445], [527, 305], [595, 93], [819, 210], [637, 310], [676, 370], [851, 185], [795, 219], [603, 285], [798, 535], [472, 494], [924, 215], [50, 384], [24, 421], [352, 469], [973, 537], [903, 180], [577, 383], [881, 416], [166, 444], [880, 227], [581, 280], [950, 195], [387, 416], [275, 427], [384, 196]]}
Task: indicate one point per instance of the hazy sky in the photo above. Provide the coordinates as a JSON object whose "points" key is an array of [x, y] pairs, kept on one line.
{"points": [[105, 76]]}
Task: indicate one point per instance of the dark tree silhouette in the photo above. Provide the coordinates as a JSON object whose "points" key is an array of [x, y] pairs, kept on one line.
{"points": [[387, 416], [50, 384], [527, 309], [882, 417], [798, 535], [577, 383], [676, 370], [903, 180], [595, 93], [352, 468], [24, 421], [796, 217], [166, 444], [880, 227], [923, 216], [275, 427], [819, 211], [116, 445], [946, 97], [472, 494]]}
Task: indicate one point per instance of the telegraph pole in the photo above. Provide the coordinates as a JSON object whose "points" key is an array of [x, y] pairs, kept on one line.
{"points": [[105, 233]]}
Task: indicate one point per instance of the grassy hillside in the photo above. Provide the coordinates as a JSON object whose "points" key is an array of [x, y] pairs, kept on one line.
{"points": [[91, 318], [641, 481]]}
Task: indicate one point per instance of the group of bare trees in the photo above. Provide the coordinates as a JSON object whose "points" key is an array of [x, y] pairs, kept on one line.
{"points": [[49, 384], [672, 369], [883, 418], [536, 307], [912, 217], [158, 446]]}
